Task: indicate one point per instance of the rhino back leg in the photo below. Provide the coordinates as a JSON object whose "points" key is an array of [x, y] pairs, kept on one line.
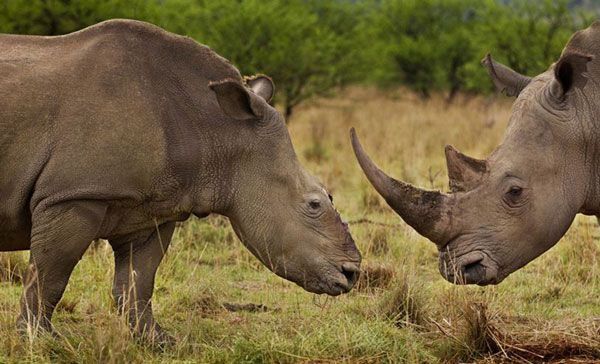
{"points": [[137, 257], [60, 235]]}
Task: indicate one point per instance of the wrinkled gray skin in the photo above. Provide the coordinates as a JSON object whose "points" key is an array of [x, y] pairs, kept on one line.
{"points": [[120, 130], [505, 211]]}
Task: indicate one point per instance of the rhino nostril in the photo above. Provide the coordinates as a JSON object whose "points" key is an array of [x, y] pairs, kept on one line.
{"points": [[351, 271], [473, 272], [472, 266]]}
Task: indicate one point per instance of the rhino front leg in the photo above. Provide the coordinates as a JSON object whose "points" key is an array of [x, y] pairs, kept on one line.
{"points": [[60, 235], [137, 257]]}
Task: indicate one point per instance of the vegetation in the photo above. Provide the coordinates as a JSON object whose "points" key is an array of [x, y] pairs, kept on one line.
{"points": [[312, 48], [224, 306]]}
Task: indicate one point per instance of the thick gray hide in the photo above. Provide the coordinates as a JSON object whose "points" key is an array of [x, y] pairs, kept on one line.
{"points": [[120, 130], [506, 210]]}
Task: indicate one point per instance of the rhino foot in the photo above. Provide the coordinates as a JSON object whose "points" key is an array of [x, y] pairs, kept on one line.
{"points": [[155, 337], [32, 328]]}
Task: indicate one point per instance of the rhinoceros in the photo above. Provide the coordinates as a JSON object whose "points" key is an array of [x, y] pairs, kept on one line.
{"points": [[504, 211], [122, 129]]}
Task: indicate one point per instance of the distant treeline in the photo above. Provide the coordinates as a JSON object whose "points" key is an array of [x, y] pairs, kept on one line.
{"points": [[312, 47]]}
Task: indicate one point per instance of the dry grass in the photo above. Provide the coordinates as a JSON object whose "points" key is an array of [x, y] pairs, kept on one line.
{"points": [[223, 306], [491, 338], [12, 267], [405, 304], [375, 276]]}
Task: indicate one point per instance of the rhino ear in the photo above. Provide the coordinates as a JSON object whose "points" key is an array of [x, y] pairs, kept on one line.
{"points": [[463, 172], [261, 85], [235, 100], [569, 72], [506, 80]]}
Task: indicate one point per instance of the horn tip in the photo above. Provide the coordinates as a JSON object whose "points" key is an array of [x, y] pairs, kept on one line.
{"points": [[450, 149], [487, 59], [354, 138]]}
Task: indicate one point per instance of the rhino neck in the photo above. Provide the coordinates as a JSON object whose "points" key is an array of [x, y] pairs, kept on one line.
{"points": [[583, 175], [202, 143], [585, 166], [591, 170], [265, 181], [216, 173], [244, 170]]}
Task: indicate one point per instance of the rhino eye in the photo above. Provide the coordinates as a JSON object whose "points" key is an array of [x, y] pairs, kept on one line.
{"points": [[330, 198], [314, 204], [513, 196], [515, 191]]}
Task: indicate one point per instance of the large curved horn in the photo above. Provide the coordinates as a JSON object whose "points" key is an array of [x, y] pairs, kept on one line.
{"points": [[425, 211]]}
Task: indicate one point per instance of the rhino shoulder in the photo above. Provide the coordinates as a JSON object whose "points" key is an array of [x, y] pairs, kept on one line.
{"points": [[134, 36]]}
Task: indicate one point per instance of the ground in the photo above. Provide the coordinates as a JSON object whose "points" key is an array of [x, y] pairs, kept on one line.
{"points": [[222, 305]]}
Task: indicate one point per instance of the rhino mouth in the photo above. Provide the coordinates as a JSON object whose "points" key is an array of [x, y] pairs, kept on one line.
{"points": [[333, 279], [475, 273], [475, 267], [336, 281]]}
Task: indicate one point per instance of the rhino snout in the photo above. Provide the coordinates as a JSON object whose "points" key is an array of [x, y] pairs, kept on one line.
{"points": [[471, 268], [342, 282], [351, 271]]}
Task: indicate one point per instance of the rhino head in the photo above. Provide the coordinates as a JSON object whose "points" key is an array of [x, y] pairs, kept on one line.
{"points": [[280, 212], [506, 210]]}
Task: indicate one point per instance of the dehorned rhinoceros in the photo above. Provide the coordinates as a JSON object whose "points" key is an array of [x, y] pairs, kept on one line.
{"points": [[120, 130], [505, 211]]}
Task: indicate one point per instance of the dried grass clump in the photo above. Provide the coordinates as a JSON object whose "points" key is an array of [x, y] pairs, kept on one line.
{"points": [[576, 341], [375, 276], [405, 305], [479, 333], [473, 335], [482, 336]]}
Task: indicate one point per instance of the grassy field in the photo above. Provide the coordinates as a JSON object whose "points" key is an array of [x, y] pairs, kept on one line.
{"points": [[223, 306]]}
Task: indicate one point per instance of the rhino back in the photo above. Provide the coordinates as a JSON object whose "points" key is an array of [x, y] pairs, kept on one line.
{"points": [[103, 113]]}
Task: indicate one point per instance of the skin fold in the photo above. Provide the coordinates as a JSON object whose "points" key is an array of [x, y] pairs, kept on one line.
{"points": [[506, 210], [122, 129]]}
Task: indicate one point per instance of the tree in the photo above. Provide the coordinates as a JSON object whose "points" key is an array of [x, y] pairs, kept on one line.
{"points": [[313, 47], [291, 41], [427, 43], [55, 17], [527, 35]]}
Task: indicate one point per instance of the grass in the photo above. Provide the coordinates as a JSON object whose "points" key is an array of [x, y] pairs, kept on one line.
{"points": [[223, 306]]}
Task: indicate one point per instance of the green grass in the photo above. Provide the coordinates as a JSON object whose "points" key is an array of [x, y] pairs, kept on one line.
{"points": [[403, 312]]}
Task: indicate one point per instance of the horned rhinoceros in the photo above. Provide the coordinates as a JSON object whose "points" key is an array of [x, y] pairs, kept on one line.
{"points": [[505, 211], [120, 130]]}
